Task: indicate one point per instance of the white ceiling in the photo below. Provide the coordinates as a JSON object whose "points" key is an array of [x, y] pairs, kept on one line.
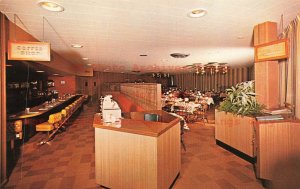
{"points": [[115, 32]]}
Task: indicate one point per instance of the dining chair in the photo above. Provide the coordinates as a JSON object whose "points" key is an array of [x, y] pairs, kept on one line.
{"points": [[151, 117], [202, 113], [181, 134]]}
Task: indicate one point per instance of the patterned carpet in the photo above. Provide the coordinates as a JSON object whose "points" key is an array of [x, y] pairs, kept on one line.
{"points": [[69, 162]]}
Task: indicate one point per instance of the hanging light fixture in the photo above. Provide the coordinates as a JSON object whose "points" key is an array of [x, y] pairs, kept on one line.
{"points": [[160, 75], [211, 68]]}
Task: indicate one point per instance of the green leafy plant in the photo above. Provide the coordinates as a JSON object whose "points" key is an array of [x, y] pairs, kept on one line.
{"points": [[241, 100]]}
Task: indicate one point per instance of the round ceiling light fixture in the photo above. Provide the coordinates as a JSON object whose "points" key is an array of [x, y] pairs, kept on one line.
{"points": [[85, 58], [40, 71], [197, 13], [179, 55], [76, 46], [51, 6]]}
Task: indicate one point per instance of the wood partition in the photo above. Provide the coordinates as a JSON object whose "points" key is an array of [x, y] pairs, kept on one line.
{"points": [[278, 150], [96, 86], [235, 131], [275, 144], [145, 95]]}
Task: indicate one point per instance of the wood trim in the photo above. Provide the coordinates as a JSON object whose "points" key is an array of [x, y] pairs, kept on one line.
{"points": [[3, 40]]}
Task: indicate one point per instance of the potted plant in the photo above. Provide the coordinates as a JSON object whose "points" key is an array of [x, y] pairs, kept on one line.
{"points": [[241, 100], [235, 119]]}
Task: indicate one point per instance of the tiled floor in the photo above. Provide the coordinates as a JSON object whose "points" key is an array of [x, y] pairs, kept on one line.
{"points": [[68, 162]]}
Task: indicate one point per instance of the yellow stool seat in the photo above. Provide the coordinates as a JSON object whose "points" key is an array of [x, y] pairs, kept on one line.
{"points": [[44, 127]]}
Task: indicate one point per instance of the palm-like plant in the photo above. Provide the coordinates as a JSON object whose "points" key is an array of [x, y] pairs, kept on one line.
{"points": [[241, 100]]}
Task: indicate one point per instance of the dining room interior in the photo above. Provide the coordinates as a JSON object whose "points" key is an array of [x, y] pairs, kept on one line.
{"points": [[127, 94]]}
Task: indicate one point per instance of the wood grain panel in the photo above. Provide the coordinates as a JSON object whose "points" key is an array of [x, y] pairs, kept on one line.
{"points": [[266, 73], [125, 160], [101, 78], [235, 131], [147, 95], [3, 42], [169, 161], [277, 144]]}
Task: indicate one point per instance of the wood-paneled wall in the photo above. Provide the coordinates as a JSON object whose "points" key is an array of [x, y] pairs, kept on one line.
{"points": [[216, 82]]}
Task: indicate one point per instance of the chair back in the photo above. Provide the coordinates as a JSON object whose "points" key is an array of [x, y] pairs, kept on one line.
{"points": [[151, 117], [54, 118]]}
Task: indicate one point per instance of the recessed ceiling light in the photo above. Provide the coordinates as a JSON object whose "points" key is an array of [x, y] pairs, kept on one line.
{"points": [[89, 64], [40, 71], [85, 58], [51, 6], [55, 74], [197, 13], [76, 46]]}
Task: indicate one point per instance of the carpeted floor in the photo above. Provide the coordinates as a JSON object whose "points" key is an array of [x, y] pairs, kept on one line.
{"points": [[68, 162]]}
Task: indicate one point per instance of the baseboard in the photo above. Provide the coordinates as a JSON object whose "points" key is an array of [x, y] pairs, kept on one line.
{"points": [[236, 152]]}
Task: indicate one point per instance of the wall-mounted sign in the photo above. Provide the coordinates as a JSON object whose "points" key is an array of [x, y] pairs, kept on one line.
{"points": [[25, 50], [87, 72], [275, 50]]}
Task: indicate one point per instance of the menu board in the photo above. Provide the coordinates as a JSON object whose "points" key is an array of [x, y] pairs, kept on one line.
{"points": [[25, 50], [275, 50]]}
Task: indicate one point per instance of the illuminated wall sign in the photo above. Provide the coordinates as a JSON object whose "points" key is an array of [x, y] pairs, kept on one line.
{"points": [[275, 50], [25, 50]]}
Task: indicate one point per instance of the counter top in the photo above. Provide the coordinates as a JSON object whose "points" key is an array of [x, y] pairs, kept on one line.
{"points": [[39, 110], [134, 123]]}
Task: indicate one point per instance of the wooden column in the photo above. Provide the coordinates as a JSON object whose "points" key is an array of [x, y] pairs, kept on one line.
{"points": [[266, 73], [3, 39]]}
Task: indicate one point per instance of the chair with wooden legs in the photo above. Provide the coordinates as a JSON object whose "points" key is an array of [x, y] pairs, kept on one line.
{"points": [[202, 113]]}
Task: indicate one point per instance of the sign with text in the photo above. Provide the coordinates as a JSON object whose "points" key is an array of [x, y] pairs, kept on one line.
{"points": [[25, 50], [275, 50]]}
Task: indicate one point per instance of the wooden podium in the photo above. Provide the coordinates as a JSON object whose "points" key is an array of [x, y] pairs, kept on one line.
{"points": [[135, 153]]}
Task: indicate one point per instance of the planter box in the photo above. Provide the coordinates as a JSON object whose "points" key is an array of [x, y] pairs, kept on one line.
{"points": [[235, 131]]}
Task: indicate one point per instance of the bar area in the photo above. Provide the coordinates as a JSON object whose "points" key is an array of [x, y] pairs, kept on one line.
{"points": [[149, 94]]}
